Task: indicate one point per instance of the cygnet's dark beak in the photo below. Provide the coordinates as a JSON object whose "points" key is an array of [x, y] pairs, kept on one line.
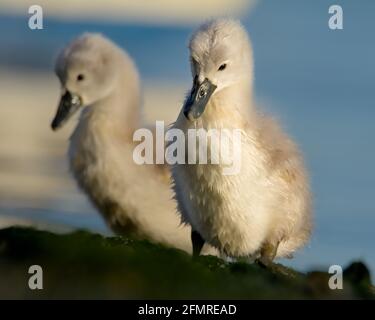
{"points": [[69, 104], [198, 98]]}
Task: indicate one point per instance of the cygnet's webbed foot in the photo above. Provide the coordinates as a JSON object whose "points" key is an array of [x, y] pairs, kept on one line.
{"points": [[197, 242]]}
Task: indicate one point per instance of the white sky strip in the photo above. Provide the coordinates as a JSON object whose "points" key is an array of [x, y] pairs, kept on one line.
{"points": [[141, 11]]}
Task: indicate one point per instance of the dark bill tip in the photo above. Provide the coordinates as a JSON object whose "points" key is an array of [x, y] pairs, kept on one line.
{"points": [[198, 99], [69, 104]]}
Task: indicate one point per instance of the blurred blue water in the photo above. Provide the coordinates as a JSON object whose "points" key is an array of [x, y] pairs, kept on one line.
{"points": [[319, 82]]}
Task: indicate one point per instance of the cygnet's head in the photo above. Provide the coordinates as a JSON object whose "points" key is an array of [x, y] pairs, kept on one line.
{"points": [[88, 69], [221, 57]]}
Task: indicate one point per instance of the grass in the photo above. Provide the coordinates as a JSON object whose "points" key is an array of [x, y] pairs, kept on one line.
{"points": [[82, 265]]}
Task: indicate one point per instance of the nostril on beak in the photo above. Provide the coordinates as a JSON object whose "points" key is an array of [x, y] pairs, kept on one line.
{"points": [[202, 93]]}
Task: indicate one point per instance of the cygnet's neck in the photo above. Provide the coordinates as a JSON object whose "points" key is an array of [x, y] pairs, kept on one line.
{"points": [[120, 109], [232, 101]]}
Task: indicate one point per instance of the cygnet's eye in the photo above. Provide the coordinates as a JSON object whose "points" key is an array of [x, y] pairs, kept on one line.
{"points": [[80, 77], [222, 67]]}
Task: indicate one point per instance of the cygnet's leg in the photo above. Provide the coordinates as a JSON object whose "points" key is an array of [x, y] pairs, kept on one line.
{"points": [[197, 242], [268, 253]]}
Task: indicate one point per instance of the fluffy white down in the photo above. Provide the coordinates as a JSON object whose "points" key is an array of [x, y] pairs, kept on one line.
{"points": [[131, 198], [269, 200]]}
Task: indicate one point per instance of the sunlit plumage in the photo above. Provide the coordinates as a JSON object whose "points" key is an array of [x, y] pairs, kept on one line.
{"points": [[132, 198], [264, 211]]}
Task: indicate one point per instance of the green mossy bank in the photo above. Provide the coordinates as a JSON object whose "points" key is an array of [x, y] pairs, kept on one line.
{"points": [[85, 265]]}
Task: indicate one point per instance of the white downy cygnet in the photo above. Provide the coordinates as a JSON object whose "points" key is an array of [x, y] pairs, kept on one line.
{"points": [[263, 211], [100, 79]]}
